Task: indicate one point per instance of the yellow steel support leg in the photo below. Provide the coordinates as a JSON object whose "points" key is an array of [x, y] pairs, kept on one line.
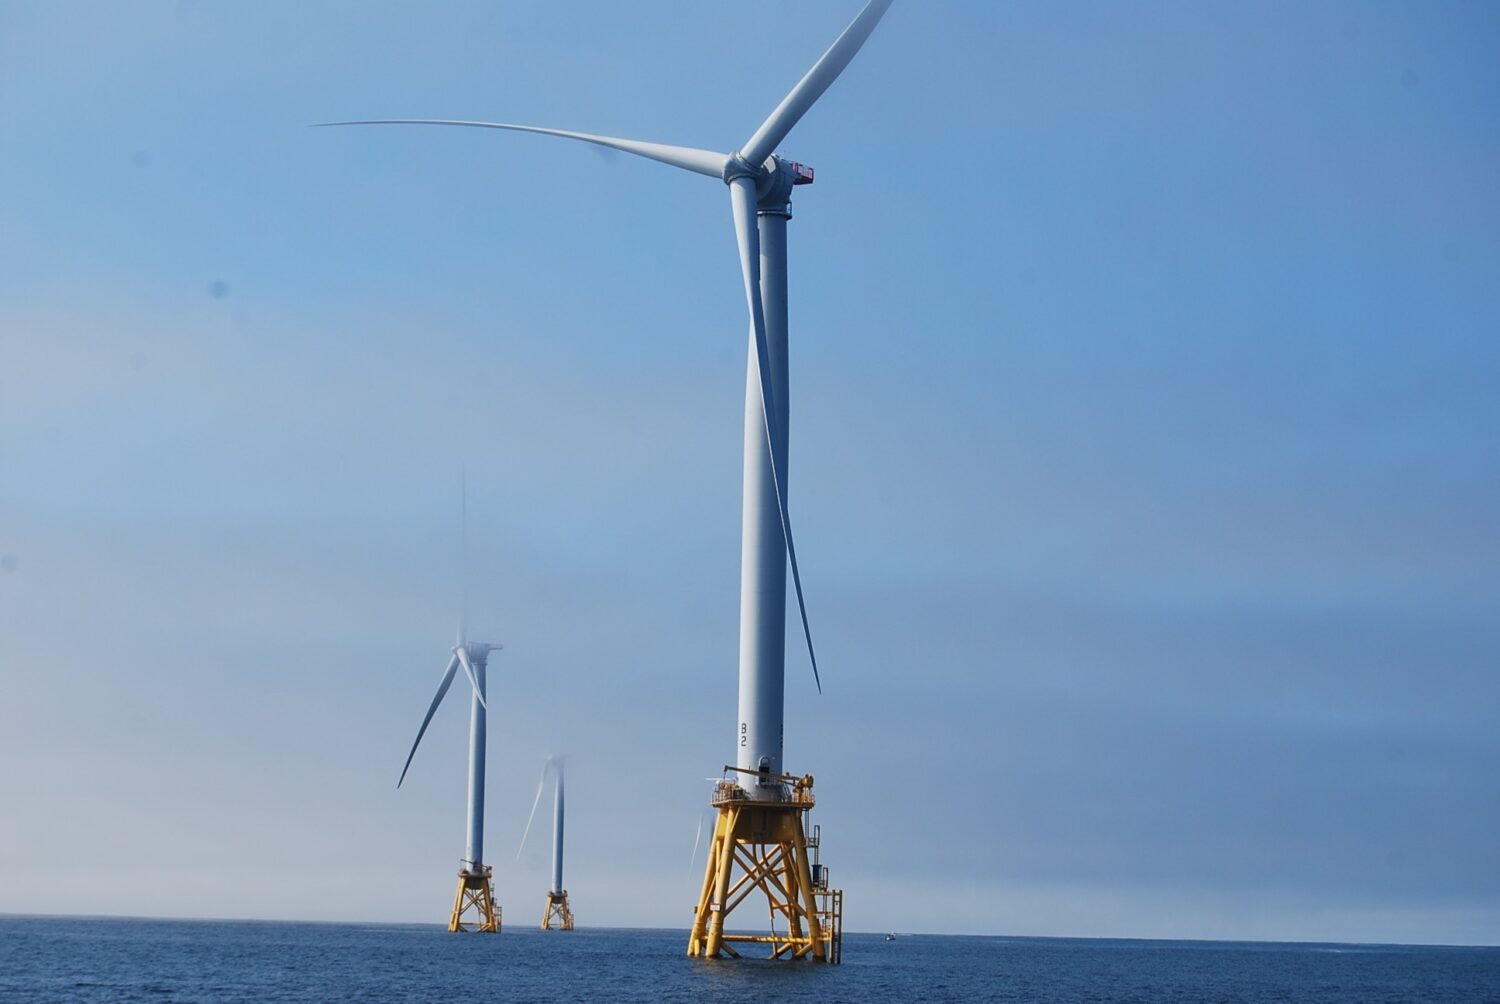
{"points": [[789, 884], [474, 904], [698, 939], [721, 861], [805, 887], [759, 845]]}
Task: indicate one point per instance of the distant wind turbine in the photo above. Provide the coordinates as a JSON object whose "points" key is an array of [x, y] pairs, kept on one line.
{"points": [[475, 895], [557, 897]]}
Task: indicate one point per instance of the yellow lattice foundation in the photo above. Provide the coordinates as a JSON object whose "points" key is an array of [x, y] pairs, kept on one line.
{"points": [[557, 909], [474, 906], [761, 845]]}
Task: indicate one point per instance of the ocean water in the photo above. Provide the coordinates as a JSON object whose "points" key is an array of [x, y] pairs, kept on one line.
{"points": [[107, 959]]}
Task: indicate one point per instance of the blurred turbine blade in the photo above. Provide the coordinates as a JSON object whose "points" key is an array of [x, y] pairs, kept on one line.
{"points": [[541, 783], [431, 710], [811, 87], [686, 157], [697, 837]]}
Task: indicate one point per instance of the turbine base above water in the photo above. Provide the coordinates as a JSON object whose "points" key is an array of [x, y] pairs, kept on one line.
{"points": [[559, 911], [474, 906], [768, 844]]}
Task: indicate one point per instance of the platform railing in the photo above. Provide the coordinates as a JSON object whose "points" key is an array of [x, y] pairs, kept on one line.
{"points": [[787, 789]]}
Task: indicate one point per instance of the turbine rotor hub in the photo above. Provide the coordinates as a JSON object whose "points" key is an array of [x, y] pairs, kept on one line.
{"points": [[478, 651], [738, 167]]}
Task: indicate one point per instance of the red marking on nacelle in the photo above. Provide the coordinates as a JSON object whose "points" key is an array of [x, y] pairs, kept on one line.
{"points": [[801, 173]]}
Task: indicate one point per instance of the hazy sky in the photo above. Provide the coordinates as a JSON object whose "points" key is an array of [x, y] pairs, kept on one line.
{"points": [[1146, 390]]}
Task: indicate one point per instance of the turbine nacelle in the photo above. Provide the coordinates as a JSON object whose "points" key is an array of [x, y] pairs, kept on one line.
{"points": [[774, 179], [477, 651]]}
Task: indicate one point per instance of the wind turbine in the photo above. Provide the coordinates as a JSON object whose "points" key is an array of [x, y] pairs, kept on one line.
{"points": [[761, 813], [475, 896], [557, 897]]}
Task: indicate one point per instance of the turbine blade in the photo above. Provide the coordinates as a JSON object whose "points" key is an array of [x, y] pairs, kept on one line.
{"points": [[431, 710], [742, 198], [811, 87], [540, 784], [463, 660], [696, 838], [689, 159]]}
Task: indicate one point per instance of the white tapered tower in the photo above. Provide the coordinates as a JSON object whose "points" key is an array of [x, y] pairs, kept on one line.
{"points": [[557, 835]]}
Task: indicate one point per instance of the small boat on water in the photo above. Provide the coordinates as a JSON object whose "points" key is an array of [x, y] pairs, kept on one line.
{"points": [[890, 937]]}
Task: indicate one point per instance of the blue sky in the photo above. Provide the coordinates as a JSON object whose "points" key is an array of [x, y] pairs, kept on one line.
{"points": [[1144, 458]]}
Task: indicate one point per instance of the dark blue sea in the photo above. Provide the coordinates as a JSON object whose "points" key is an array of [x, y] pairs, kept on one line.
{"points": [[107, 959]]}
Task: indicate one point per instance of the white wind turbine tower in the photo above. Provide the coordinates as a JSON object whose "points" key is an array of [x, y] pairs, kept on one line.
{"points": [[474, 902], [557, 896], [760, 814]]}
